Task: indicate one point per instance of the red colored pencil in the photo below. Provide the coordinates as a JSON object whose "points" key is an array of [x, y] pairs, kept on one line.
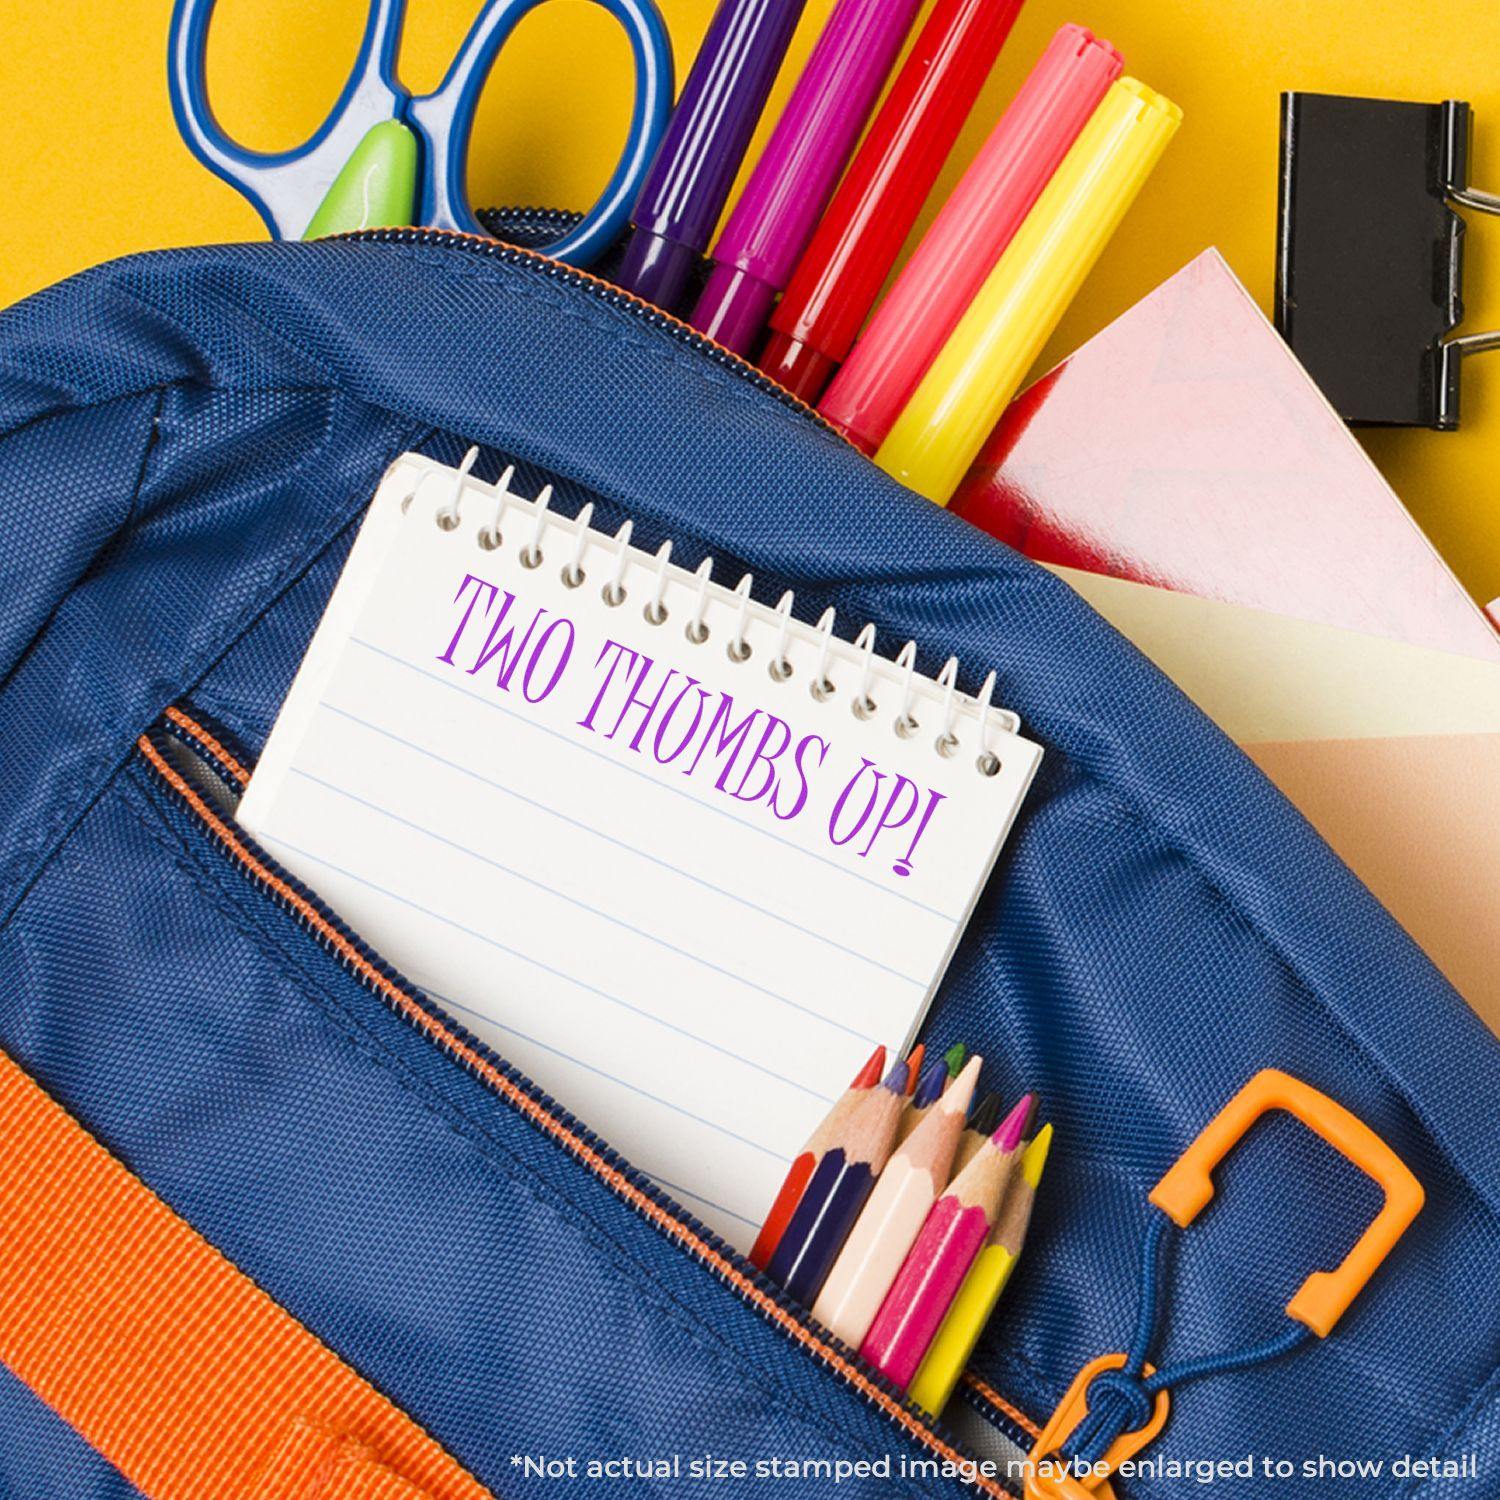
{"points": [[806, 1162]]}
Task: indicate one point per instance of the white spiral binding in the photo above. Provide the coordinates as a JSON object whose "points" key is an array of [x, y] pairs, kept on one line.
{"points": [[707, 596]]}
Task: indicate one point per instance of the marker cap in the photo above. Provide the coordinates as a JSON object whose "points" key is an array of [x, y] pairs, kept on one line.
{"points": [[969, 234], [973, 378]]}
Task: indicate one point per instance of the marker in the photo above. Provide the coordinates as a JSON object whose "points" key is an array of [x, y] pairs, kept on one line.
{"points": [[789, 187], [706, 140], [849, 257], [960, 398], [894, 1216], [799, 1174], [950, 1241], [982, 1287], [928, 1091], [839, 1188], [969, 235]]}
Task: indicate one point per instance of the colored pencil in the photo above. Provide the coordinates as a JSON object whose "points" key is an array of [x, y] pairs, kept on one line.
{"points": [[983, 1285], [947, 1246], [980, 1128], [800, 1172], [955, 1057], [928, 1091], [838, 1189], [914, 1066], [894, 1216]]}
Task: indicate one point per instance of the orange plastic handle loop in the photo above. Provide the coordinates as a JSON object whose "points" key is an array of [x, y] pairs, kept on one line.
{"points": [[1071, 1410], [1321, 1300]]}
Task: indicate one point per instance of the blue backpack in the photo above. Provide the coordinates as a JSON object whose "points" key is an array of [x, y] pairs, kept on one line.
{"points": [[188, 441]]}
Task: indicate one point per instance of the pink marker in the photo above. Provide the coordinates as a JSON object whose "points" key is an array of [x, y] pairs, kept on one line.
{"points": [[955, 1232], [968, 236]]}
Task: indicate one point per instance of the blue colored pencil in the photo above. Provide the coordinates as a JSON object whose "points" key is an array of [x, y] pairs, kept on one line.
{"points": [[929, 1090], [838, 1190]]}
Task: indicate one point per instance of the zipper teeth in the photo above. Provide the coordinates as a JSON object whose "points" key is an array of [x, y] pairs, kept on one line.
{"points": [[638, 1192], [605, 291]]}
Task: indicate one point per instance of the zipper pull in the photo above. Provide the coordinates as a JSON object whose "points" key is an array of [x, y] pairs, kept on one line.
{"points": [[1051, 1476]]}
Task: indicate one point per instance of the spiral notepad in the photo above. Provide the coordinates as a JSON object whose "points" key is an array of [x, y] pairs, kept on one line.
{"points": [[680, 856]]}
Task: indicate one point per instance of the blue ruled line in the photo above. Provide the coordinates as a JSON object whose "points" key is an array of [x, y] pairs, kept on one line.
{"points": [[531, 880], [492, 942], [624, 1083], [631, 849], [609, 760]]}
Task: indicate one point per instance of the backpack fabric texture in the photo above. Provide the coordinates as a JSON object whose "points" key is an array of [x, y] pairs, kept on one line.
{"points": [[187, 442]]}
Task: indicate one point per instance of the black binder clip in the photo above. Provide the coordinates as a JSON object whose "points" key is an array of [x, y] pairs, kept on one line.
{"points": [[1369, 253]]}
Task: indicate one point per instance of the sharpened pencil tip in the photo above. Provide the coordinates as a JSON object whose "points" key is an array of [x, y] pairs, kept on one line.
{"points": [[954, 1059], [869, 1075], [1008, 1136], [931, 1084], [895, 1080], [1034, 1157], [960, 1092], [914, 1065], [986, 1114]]}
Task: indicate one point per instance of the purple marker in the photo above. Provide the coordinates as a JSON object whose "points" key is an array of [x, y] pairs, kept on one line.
{"points": [[690, 179], [791, 183]]}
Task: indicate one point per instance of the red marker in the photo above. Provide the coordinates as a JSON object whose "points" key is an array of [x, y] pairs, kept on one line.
{"points": [[846, 263], [967, 237]]}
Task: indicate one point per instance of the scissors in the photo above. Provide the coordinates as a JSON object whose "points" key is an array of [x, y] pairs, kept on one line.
{"points": [[385, 156]]}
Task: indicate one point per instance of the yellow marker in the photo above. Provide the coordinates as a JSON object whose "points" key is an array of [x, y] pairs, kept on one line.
{"points": [[941, 429], [981, 1288]]}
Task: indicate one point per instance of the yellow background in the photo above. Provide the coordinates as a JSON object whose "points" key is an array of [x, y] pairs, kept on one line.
{"points": [[96, 169]]}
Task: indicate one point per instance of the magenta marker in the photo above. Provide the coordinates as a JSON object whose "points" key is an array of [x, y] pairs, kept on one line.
{"points": [[792, 181]]}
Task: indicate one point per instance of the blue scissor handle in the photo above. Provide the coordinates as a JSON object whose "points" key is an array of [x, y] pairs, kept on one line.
{"points": [[288, 186], [444, 121], [285, 186]]}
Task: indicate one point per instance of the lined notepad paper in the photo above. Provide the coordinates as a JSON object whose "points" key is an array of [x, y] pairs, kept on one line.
{"points": [[623, 843]]}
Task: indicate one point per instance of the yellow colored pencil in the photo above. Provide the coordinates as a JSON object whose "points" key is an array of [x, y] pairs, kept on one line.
{"points": [[953, 410], [976, 1299]]}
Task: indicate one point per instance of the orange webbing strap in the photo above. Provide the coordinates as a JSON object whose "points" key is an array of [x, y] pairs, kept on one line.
{"points": [[174, 1365]]}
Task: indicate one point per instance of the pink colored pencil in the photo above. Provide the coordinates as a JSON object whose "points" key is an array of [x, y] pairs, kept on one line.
{"points": [[932, 1273], [968, 236]]}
